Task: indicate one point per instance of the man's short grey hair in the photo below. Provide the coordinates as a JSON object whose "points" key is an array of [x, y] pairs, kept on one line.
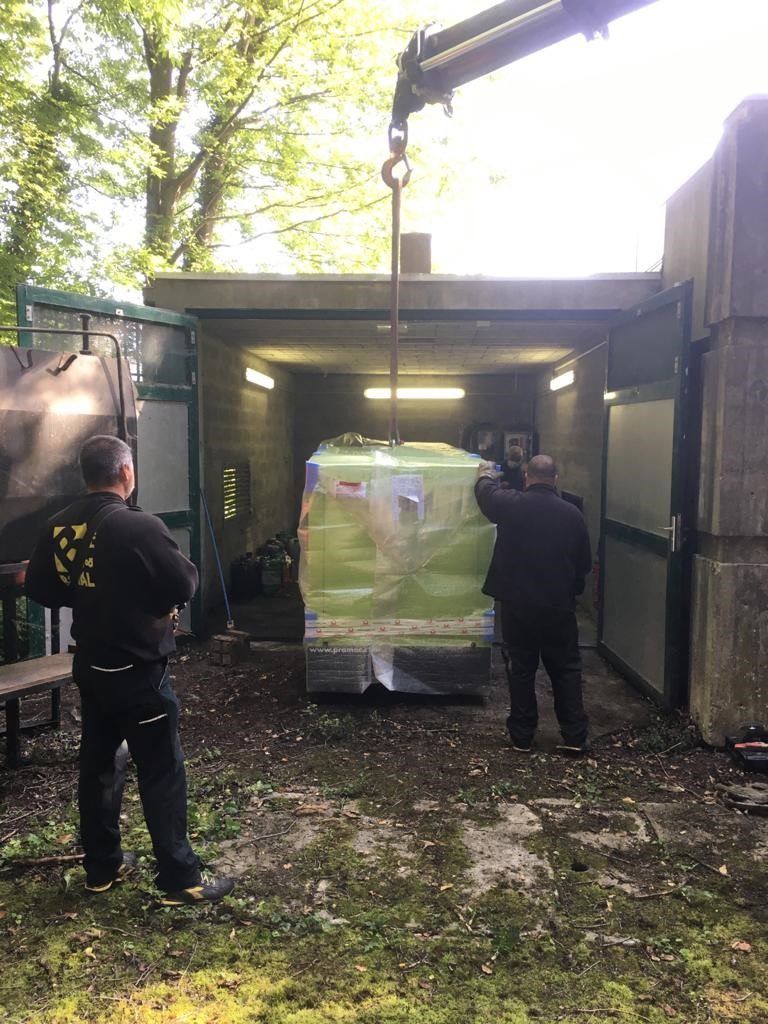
{"points": [[101, 459], [542, 467]]}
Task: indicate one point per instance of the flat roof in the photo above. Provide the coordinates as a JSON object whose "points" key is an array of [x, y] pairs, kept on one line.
{"points": [[339, 323]]}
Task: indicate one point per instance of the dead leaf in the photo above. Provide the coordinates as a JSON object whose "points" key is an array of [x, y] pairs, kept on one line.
{"points": [[670, 1010], [361, 968], [88, 951], [627, 800], [666, 956], [3, 914], [288, 866], [71, 915], [742, 947], [65, 838], [304, 810], [486, 969], [446, 885], [232, 934], [723, 869]]}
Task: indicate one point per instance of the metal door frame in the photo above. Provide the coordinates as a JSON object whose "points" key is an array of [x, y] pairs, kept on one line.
{"points": [[677, 610], [28, 296]]}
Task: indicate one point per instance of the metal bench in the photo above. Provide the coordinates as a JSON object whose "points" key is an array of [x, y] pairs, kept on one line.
{"points": [[22, 679]]}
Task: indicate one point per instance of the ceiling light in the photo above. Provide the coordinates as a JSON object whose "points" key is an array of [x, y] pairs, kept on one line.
{"points": [[426, 393], [254, 377], [561, 381]]}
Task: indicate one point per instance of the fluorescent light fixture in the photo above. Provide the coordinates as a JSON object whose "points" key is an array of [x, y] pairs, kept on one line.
{"points": [[609, 396], [561, 381], [254, 377], [430, 394]]}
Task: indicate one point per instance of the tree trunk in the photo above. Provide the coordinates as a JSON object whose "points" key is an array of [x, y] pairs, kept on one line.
{"points": [[161, 188]]}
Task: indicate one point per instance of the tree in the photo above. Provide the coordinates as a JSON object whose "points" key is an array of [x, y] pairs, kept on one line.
{"points": [[217, 123]]}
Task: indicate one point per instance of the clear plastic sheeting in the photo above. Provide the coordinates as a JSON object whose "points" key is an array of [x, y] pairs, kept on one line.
{"points": [[394, 551]]}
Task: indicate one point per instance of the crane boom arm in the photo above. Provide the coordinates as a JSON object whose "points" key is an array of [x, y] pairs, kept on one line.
{"points": [[438, 60]]}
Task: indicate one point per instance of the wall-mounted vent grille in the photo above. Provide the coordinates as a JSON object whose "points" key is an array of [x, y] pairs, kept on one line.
{"points": [[236, 481]]}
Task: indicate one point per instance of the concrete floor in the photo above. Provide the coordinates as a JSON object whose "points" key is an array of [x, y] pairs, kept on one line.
{"points": [[611, 702]]}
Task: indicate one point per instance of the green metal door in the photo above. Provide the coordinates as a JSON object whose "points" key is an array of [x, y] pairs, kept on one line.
{"points": [[643, 596], [159, 347]]}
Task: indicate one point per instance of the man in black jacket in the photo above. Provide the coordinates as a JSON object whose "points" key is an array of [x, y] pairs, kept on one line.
{"points": [[124, 576], [541, 557]]}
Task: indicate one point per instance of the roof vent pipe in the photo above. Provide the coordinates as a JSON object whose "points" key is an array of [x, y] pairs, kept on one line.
{"points": [[415, 253]]}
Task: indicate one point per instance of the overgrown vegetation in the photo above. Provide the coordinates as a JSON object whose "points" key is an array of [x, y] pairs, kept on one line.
{"points": [[154, 135], [364, 905]]}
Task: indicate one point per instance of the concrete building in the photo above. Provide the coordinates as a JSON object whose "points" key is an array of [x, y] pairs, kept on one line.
{"points": [[662, 432]]}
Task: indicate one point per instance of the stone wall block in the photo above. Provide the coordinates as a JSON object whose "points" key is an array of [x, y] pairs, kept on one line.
{"points": [[733, 494], [738, 263], [729, 667]]}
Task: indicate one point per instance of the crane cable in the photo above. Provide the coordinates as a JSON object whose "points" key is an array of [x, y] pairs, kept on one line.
{"points": [[398, 141]]}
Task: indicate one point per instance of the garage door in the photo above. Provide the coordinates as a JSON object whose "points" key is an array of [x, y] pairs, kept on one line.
{"points": [[644, 534]]}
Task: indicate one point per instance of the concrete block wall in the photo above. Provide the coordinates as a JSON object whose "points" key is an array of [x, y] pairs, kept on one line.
{"points": [[570, 425], [327, 406], [242, 422], [729, 641]]}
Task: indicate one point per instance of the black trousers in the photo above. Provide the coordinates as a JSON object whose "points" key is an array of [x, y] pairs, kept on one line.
{"points": [[132, 703], [530, 633]]}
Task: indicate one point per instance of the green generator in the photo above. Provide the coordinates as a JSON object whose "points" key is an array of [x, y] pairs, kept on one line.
{"points": [[394, 551]]}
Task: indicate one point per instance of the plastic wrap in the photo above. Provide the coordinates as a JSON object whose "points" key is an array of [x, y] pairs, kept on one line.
{"points": [[394, 551]]}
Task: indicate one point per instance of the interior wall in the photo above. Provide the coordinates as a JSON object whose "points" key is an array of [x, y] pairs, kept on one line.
{"points": [[242, 422], [570, 425], [327, 406]]}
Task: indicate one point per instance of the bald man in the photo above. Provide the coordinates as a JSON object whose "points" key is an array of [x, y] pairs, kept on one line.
{"points": [[541, 557]]}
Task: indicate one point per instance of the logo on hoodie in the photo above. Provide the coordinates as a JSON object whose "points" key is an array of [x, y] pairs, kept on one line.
{"points": [[67, 542]]}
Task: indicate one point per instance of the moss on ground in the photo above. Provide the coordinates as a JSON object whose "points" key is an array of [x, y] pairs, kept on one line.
{"points": [[394, 938]]}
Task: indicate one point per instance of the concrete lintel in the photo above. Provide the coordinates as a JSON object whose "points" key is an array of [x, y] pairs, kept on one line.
{"points": [[425, 291], [733, 549], [739, 332]]}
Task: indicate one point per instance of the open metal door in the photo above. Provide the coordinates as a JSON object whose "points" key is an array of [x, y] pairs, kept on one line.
{"points": [[159, 347], [643, 619]]}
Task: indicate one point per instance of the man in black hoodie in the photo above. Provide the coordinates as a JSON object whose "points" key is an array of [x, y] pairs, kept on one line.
{"points": [[124, 576], [541, 557]]}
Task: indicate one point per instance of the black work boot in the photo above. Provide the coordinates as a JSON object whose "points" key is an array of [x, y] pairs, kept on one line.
{"points": [[207, 890], [130, 860]]}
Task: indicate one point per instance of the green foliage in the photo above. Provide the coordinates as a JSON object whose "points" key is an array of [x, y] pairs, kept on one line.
{"points": [[156, 135]]}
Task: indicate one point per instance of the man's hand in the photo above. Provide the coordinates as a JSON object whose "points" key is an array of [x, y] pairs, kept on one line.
{"points": [[487, 469]]}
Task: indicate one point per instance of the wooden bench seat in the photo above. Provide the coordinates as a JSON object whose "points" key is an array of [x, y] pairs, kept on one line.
{"points": [[22, 679]]}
